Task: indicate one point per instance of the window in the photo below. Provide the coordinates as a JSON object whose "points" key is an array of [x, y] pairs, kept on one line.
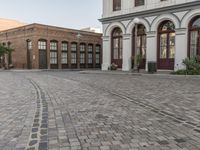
{"points": [[82, 53], [73, 53], [141, 40], [116, 5], [42, 45], [53, 52], [167, 40], [98, 54], [30, 46], [117, 44], [139, 3], [194, 31], [166, 45], [90, 54], [64, 49]]}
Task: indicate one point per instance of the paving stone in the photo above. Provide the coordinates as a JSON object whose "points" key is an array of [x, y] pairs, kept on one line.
{"points": [[98, 111], [33, 142]]}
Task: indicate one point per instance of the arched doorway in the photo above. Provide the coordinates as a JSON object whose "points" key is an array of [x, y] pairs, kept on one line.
{"points": [[166, 45], [194, 39], [117, 47], [140, 44]]}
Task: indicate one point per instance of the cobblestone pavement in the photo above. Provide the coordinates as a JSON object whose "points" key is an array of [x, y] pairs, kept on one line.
{"points": [[75, 110]]}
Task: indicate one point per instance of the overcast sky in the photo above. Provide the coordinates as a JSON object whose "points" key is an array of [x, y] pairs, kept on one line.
{"points": [[65, 13]]}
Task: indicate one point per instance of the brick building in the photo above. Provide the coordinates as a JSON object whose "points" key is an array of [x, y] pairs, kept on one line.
{"points": [[47, 47]]}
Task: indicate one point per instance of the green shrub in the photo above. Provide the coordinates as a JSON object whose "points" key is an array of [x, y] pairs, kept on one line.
{"points": [[192, 66]]}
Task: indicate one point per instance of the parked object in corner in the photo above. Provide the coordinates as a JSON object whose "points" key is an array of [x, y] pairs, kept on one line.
{"points": [[152, 67], [113, 66]]}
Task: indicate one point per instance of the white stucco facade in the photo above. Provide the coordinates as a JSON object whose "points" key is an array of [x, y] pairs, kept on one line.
{"points": [[151, 15]]}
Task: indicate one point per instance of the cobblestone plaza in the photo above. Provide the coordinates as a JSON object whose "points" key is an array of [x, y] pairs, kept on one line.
{"points": [[63, 110]]}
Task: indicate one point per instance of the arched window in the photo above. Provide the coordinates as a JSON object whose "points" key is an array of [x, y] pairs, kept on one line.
{"points": [[74, 54], [194, 33], [141, 43], [98, 55], [90, 55], [117, 47], [54, 54], [166, 48], [64, 50], [82, 54]]}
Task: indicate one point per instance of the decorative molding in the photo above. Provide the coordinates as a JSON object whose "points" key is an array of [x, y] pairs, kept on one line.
{"points": [[153, 12]]}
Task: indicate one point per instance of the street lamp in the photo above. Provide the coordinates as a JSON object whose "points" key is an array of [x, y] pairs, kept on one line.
{"points": [[136, 22]]}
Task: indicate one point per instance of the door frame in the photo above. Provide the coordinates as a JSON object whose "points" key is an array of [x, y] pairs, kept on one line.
{"points": [[169, 61], [40, 66], [116, 61], [143, 63]]}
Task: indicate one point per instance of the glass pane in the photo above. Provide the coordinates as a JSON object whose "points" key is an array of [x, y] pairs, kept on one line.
{"points": [[117, 32], [90, 57], [163, 46], [30, 45], [97, 49], [143, 46], [172, 45], [172, 39], [42, 45], [116, 47], [64, 47], [64, 58], [82, 48], [73, 58], [82, 58], [120, 50], [167, 26], [163, 40], [193, 43], [196, 23], [90, 47], [73, 47], [97, 58], [172, 52], [53, 57], [53, 46], [163, 52]]}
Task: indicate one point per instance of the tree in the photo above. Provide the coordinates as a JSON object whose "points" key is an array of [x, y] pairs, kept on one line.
{"points": [[3, 51]]}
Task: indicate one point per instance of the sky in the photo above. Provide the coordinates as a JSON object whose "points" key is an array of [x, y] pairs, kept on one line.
{"points": [[74, 14]]}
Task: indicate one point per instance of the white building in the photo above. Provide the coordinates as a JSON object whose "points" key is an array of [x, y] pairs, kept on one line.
{"points": [[167, 32]]}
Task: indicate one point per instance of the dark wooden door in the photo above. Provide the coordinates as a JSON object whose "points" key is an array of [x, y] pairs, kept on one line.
{"points": [[166, 51], [29, 59], [42, 59], [117, 51], [141, 49]]}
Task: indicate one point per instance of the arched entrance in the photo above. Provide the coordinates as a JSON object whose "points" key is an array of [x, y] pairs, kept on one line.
{"points": [[166, 45], [117, 47], [140, 44], [194, 37]]}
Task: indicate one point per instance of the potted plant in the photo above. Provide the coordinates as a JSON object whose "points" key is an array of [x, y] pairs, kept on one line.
{"points": [[113, 66]]}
